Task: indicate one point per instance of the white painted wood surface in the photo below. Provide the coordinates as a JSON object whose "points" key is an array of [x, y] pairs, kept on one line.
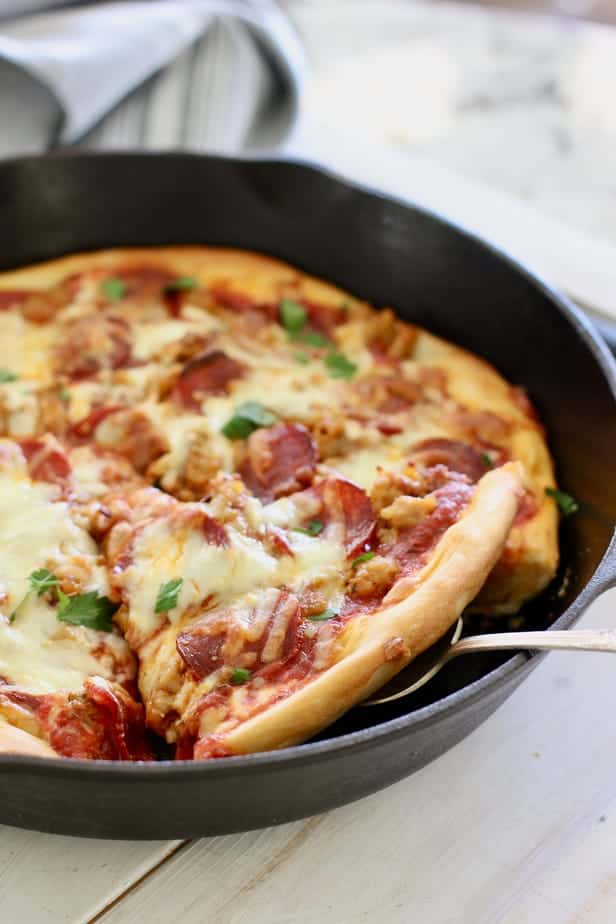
{"points": [[516, 825]]}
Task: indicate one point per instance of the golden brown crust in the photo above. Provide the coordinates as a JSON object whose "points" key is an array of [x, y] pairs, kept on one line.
{"points": [[14, 740], [409, 625]]}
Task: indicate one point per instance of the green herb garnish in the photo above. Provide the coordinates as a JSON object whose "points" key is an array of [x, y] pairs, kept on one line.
{"points": [[64, 394], [292, 316], [566, 503], [89, 609], [312, 338], [182, 284], [322, 617], [114, 288], [240, 675], [167, 597], [365, 556], [247, 418], [487, 460], [42, 580], [302, 358], [339, 367], [7, 376], [313, 528]]}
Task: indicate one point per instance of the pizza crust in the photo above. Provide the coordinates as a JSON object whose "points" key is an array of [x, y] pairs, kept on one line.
{"points": [[14, 740], [456, 571]]}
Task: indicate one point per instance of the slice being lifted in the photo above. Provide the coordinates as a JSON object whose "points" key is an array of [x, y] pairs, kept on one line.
{"points": [[281, 495]]}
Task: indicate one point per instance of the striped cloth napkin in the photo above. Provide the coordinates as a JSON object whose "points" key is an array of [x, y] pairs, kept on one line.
{"points": [[218, 74]]}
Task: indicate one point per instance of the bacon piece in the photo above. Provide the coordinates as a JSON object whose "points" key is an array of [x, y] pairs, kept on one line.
{"points": [[280, 460], [208, 374], [92, 344], [269, 632], [347, 506], [47, 460], [132, 434], [457, 457]]}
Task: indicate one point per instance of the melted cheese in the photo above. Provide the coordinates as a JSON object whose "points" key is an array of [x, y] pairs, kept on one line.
{"points": [[24, 347], [163, 552], [36, 650], [150, 337]]}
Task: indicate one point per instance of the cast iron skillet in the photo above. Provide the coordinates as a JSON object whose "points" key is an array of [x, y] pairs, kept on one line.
{"points": [[431, 272]]}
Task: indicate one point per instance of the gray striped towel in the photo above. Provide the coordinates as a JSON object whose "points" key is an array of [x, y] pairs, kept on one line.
{"points": [[221, 75]]}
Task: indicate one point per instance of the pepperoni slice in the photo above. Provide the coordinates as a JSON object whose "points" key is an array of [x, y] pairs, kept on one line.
{"points": [[92, 344], [46, 460], [208, 374], [268, 633], [346, 505], [415, 542], [12, 298], [104, 722], [242, 303], [457, 457], [280, 460], [323, 317]]}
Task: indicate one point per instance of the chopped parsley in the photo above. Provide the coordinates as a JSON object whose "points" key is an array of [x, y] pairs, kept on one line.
{"points": [[487, 460], [42, 580], [312, 338], [89, 609], [247, 418], [114, 288], [302, 358], [240, 675], [167, 597], [339, 367], [365, 556], [322, 617], [313, 528], [182, 284], [64, 394], [566, 503], [7, 376], [292, 316]]}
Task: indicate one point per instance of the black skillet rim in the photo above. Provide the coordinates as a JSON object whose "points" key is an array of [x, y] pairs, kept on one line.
{"points": [[603, 577]]}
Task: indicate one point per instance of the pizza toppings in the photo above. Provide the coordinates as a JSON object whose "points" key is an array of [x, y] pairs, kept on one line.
{"points": [[305, 456], [566, 504], [248, 417], [210, 373], [280, 460], [93, 344], [167, 598]]}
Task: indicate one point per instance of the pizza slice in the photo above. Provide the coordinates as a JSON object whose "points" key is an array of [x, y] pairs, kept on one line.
{"points": [[67, 677], [258, 624]]}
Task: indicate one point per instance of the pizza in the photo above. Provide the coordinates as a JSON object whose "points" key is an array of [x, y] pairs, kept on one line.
{"points": [[235, 500]]}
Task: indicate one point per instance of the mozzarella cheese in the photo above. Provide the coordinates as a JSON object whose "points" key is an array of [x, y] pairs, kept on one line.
{"points": [[37, 651], [164, 551]]}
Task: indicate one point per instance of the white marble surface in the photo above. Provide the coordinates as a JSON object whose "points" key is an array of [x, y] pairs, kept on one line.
{"points": [[524, 103]]}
